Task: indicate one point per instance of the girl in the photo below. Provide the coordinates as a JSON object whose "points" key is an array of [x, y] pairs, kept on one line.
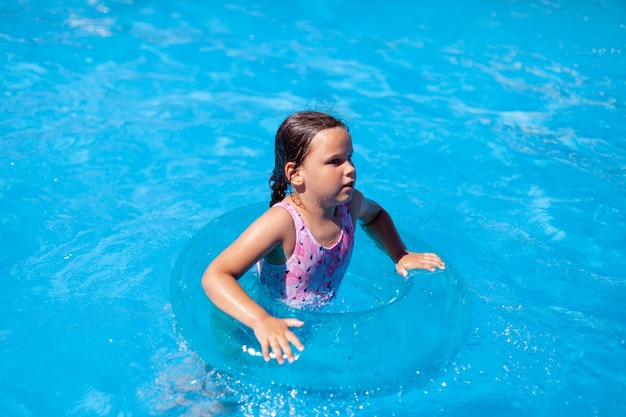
{"points": [[302, 244]]}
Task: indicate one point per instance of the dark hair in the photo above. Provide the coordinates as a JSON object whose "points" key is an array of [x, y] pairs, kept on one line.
{"points": [[292, 144]]}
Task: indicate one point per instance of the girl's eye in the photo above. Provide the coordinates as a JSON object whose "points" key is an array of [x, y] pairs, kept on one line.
{"points": [[340, 160]]}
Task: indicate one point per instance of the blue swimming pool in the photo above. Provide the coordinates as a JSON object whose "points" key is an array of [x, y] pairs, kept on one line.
{"points": [[495, 131]]}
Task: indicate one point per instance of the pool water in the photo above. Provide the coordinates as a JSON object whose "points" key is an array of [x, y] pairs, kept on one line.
{"points": [[493, 130]]}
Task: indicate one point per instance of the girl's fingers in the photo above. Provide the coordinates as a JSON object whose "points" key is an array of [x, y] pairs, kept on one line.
{"points": [[280, 346], [277, 350], [266, 351], [402, 271], [286, 351], [294, 322], [293, 339], [428, 261]]}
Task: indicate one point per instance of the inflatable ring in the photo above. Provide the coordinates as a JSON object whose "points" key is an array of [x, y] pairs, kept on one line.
{"points": [[381, 329]]}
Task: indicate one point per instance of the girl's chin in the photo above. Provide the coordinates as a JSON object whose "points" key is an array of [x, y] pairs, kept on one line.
{"points": [[346, 195], [342, 198]]}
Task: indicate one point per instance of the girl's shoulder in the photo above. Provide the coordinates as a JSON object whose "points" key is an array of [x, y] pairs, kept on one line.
{"points": [[356, 205], [277, 218], [276, 229], [362, 208]]}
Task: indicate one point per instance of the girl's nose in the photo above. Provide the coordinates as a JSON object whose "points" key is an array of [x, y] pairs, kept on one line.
{"points": [[351, 169]]}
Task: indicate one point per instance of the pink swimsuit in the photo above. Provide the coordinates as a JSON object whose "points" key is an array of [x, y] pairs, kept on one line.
{"points": [[313, 273]]}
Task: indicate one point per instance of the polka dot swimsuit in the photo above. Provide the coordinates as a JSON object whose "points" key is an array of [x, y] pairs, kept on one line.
{"points": [[313, 273]]}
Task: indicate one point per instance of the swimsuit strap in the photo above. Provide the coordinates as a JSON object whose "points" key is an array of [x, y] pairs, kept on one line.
{"points": [[295, 215]]}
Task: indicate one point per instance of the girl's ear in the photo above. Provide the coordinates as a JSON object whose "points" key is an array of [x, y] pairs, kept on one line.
{"points": [[293, 174]]}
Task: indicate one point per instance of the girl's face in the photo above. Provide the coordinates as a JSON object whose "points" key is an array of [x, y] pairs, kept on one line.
{"points": [[328, 172]]}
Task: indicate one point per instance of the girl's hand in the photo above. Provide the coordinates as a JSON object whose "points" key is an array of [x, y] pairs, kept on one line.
{"points": [[413, 260], [274, 333]]}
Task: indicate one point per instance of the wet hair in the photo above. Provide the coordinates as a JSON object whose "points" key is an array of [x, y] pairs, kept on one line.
{"points": [[292, 144]]}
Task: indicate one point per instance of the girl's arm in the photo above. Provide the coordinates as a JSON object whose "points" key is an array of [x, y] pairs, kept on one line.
{"points": [[379, 226], [220, 284]]}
